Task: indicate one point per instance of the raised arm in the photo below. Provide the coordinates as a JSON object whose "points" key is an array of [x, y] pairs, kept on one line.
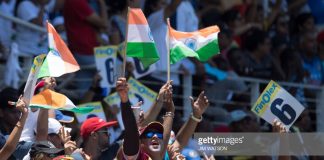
{"points": [[284, 142], [157, 105], [14, 136], [131, 139], [198, 108], [167, 118]]}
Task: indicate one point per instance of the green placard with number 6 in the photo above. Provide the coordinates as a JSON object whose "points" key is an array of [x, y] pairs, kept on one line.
{"points": [[277, 103]]}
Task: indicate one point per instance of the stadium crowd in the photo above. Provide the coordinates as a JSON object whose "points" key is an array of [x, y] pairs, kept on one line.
{"points": [[281, 40]]}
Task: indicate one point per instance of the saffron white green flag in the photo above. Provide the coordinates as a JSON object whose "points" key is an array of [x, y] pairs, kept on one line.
{"points": [[59, 59], [201, 44], [140, 43]]}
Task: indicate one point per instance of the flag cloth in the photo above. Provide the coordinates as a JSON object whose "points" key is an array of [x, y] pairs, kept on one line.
{"points": [[52, 100], [201, 44], [59, 59], [140, 43]]}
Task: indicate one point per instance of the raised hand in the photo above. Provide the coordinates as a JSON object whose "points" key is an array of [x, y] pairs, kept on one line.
{"points": [[122, 89], [200, 105], [278, 127], [163, 90], [168, 98], [21, 105]]}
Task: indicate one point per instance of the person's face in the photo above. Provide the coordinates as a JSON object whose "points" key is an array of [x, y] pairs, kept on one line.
{"points": [[103, 138], [56, 140], [265, 46], [309, 25], [152, 141], [282, 26], [50, 83], [309, 44]]}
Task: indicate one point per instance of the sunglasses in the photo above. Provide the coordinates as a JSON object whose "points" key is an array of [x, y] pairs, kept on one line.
{"points": [[151, 134]]}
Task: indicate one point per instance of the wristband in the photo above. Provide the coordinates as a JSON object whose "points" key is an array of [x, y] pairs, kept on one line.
{"points": [[196, 119], [169, 114]]}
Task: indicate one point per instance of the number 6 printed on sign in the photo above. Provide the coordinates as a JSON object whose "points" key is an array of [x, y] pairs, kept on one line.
{"points": [[277, 103]]}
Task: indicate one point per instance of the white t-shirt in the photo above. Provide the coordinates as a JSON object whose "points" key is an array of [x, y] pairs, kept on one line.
{"points": [[6, 30], [159, 27], [30, 126], [187, 21], [30, 42]]}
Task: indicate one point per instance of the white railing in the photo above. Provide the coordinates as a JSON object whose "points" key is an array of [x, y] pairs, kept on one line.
{"points": [[22, 22]]}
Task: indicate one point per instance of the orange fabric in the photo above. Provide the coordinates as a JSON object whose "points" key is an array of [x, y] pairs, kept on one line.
{"points": [[61, 47], [136, 16], [49, 98], [203, 32]]}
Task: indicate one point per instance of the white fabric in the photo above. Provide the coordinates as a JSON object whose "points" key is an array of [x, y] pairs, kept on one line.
{"points": [[12, 68], [159, 30], [139, 33], [30, 126], [6, 30], [30, 42]]}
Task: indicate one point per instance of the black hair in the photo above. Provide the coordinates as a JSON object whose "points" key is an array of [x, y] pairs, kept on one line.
{"points": [[8, 94], [115, 6], [253, 39], [230, 15], [148, 7], [209, 18]]}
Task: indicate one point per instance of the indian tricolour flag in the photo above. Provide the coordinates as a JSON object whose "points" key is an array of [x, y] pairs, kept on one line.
{"points": [[201, 44], [52, 100], [140, 43], [59, 59]]}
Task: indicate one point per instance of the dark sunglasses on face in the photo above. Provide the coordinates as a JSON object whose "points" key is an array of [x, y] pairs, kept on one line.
{"points": [[151, 134]]}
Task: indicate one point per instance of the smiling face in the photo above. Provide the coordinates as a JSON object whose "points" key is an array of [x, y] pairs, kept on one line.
{"points": [[152, 141]]}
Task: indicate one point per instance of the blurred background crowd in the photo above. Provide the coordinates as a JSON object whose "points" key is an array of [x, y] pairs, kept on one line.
{"points": [[282, 40]]}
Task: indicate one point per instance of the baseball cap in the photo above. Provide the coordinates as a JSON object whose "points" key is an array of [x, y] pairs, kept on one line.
{"points": [[38, 86], [94, 124], [238, 115], [45, 147], [63, 118], [54, 126], [153, 125]]}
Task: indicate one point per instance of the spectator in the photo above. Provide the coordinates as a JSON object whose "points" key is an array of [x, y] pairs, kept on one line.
{"points": [[9, 117], [8, 145], [260, 64], [320, 42], [291, 64], [311, 62], [32, 42], [81, 21], [94, 132], [157, 11], [6, 32], [242, 121]]}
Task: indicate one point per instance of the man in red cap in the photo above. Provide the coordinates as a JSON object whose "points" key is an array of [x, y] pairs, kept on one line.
{"points": [[94, 132]]}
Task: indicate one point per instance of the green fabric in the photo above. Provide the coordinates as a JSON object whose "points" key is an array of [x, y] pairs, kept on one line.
{"points": [[203, 54], [145, 52]]}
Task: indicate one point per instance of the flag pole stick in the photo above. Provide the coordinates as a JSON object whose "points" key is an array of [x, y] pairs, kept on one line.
{"points": [[125, 46], [168, 50]]}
